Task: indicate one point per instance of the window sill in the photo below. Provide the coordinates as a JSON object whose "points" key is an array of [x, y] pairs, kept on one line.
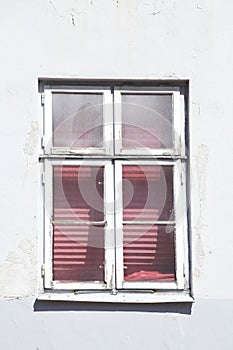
{"points": [[120, 297]]}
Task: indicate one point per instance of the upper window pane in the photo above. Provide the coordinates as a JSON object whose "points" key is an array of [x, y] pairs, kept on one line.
{"points": [[147, 120], [77, 120]]}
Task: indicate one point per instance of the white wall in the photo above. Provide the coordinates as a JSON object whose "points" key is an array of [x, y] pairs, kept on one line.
{"points": [[106, 38]]}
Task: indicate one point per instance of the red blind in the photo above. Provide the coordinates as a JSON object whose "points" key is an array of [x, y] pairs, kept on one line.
{"points": [[148, 253], [78, 252], [148, 249]]}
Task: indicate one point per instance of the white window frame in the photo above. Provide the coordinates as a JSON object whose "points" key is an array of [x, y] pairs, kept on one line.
{"points": [[114, 289], [108, 223], [180, 226], [178, 126], [107, 124]]}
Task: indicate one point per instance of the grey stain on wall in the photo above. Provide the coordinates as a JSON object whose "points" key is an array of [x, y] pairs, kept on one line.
{"points": [[19, 266], [32, 139], [201, 164]]}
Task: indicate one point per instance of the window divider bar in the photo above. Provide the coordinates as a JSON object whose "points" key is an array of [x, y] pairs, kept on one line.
{"points": [[90, 156], [78, 223], [149, 222]]}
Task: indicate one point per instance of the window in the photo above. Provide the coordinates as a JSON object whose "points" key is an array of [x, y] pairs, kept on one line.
{"points": [[114, 186]]}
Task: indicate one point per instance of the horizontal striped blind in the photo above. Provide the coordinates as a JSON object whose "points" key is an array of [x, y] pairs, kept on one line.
{"points": [[78, 250], [148, 252]]}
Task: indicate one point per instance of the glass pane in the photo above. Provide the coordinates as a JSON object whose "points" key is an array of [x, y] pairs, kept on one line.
{"points": [[78, 193], [78, 250], [147, 193], [78, 253], [149, 253], [77, 120], [147, 121]]}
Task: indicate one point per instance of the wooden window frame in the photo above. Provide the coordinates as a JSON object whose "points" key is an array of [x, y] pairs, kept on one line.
{"points": [[114, 289]]}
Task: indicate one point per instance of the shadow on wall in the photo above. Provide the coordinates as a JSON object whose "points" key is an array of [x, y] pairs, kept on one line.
{"points": [[43, 306]]}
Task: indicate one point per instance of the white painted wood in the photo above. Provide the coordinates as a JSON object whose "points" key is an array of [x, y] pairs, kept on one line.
{"points": [[150, 90], [182, 126], [109, 267], [119, 222], [113, 266], [118, 225], [117, 122], [183, 226], [48, 235], [108, 123], [48, 121], [48, 229], [177, 127], [180, 217], [123, 297]]}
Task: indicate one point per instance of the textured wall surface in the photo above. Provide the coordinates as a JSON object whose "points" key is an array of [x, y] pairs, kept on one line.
{"points": [[120, 38]]}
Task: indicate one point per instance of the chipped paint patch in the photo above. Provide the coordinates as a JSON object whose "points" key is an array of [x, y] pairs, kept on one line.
{"points": [[32, 139], [18, 273], [200, 4], [201, 163], [157, 7]]}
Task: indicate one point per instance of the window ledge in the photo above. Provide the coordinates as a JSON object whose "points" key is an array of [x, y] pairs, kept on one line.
{"points": [[120, 297]]}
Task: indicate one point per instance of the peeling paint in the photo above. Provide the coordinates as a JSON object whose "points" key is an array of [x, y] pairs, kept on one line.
{"points": [[52, 4], [200, 4], [201, 163], [157, 7], [18, 273], [72, 20], [32, 139], [198, 107]]}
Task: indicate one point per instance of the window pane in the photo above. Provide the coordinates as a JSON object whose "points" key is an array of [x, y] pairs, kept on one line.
{"points": [[78, 253], [77, 120], [149, 253], [78, 250], [78, 193], [147, 121], [148, 193]]}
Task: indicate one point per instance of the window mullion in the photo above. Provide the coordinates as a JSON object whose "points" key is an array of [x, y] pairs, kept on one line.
{"points": [[48, 121], [108, 122], [109, 228], [119, 225], [117, 121], [180, 215], [48, 236], [177, 121]]}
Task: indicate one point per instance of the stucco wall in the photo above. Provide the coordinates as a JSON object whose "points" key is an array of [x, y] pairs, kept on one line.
{"points": [[121, 38]]}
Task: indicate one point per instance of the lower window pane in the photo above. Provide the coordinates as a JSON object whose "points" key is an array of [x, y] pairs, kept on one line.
{"points": [[78, 193], [148, 192], [149, 253], [78, 253]]}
